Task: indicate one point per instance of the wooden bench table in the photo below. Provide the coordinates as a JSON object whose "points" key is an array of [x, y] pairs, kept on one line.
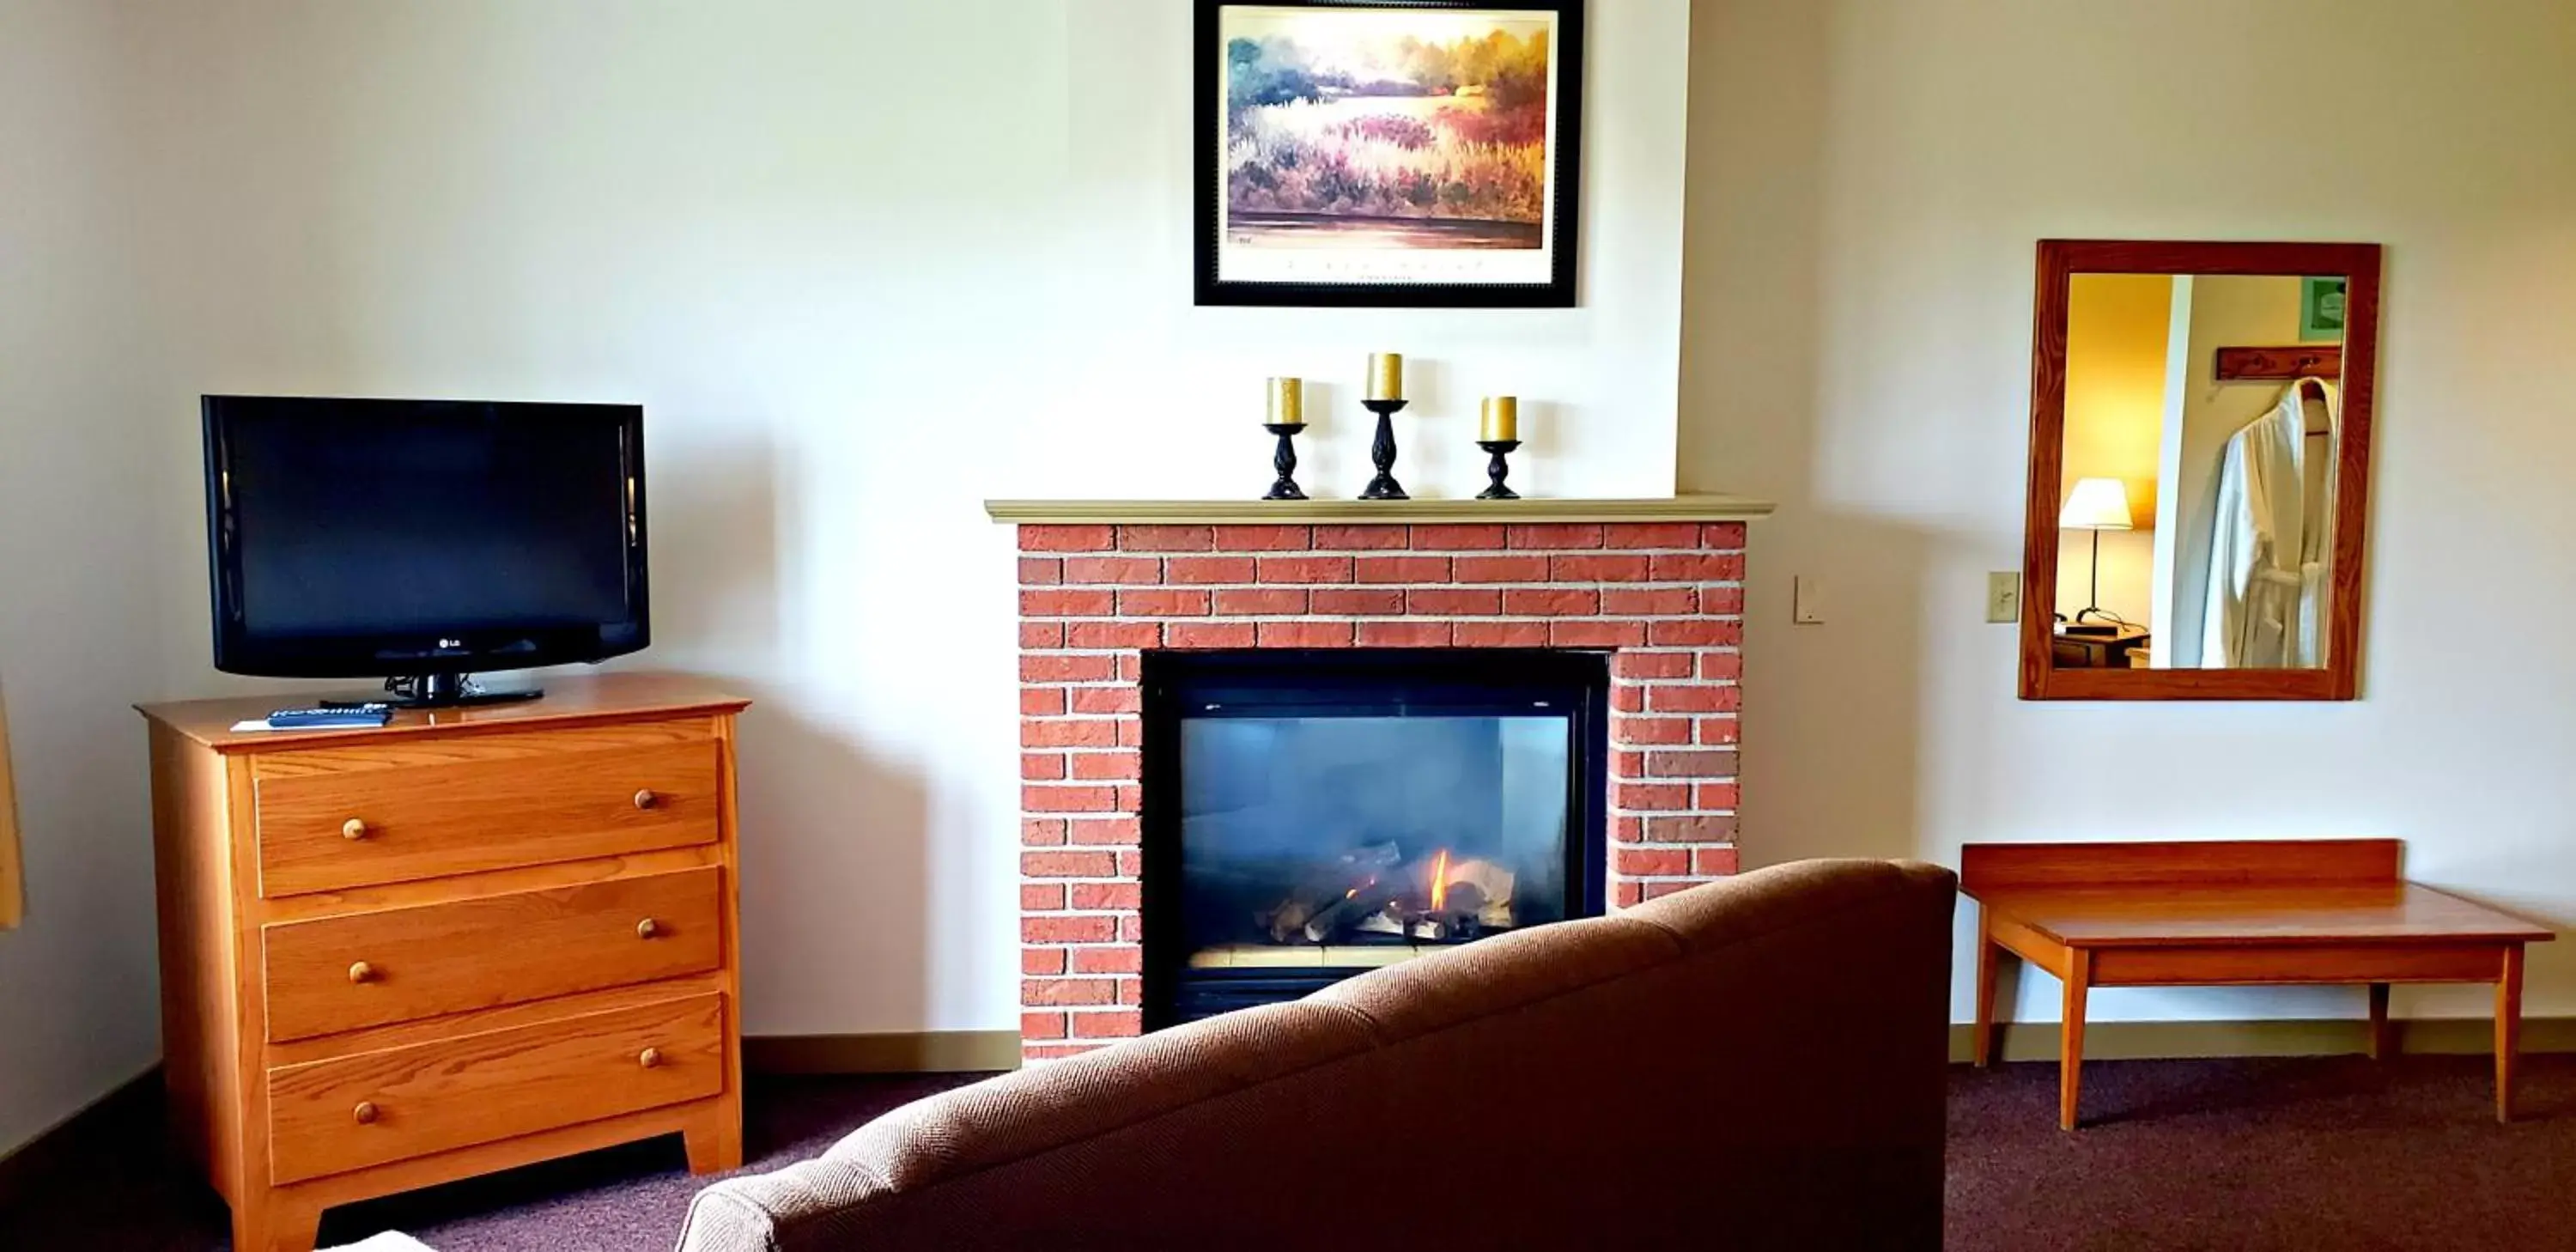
{"points": [[2218, 914]]}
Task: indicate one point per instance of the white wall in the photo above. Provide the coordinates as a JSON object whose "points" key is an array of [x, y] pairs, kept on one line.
{"points": [[1869, 179], [866, 264]]}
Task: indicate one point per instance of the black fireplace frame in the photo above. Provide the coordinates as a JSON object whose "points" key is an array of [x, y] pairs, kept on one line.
{"points": [[1452, 681]]}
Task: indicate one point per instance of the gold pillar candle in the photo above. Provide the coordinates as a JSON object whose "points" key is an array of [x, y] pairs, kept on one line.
{"points": [[1386, 376], [1287, 402], [1502, 420]]}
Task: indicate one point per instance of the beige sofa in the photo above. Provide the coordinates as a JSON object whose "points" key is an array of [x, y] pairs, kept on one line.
{"points": [[1756, 1064]]}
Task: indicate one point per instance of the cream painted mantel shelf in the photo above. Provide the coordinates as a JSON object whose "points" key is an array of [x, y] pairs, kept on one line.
{"points": [[1694, 508]]}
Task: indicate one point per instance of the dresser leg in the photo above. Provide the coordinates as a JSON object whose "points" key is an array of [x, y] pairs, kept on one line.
{"points": [[714, 1140], [275, 1222], [2508, 1029], [2070, 1044]]}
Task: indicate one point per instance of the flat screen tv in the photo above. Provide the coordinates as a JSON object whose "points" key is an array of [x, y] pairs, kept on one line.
{"points": [[421, 540]]}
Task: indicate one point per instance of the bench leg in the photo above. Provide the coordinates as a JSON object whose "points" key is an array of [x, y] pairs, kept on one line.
{"points": [[2508, 1029], [1989, 953], [2070, 1041], [2383, 1037]]}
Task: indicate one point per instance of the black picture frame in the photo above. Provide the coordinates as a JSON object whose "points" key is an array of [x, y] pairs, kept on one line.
{"points": [[1561, 289]]}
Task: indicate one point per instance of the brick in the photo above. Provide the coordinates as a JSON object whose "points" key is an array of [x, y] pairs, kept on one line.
{"points": [[1696, 633], [1131, 926], [1650, 730], [1201, 570], [1127, 571], [1356, 538], [1263, 538], [1658, 890], [1106, 895], [1651, 535], [1041, 766], [1722, 601], [1627, 764], [1097, 928], [1725, 667], [1113, 635], [1406, 634], [1165, 539], [1627, 698], [1120, 699], [1041, 1025], [1716, 862], [1550, 602], [1627, 894], [1049, 667], [1700, 829], [1131, 991], [1202, 635], [1555, 535], [1653, 665], [1358, 602], [1598, 569], [1596, 634], [1650, 797], [1041, 832], [1502, 635], [1718, 763], [1452, 602], [1041, 897], [1123, 832], [1697, 567], [1044, 798], [1724, 536], [1108, 766], [1163, 602], [1650, 601], [1131, 732], [1650, 862], [1068, 864], [1041, 635], [1066, 538], [1109, 960], [1109, 1024], [1305, 635], [1063, 602], [1050, 991], [1260, 603], [1382, 570], [1627, 830], [1045, 733], [1499, 569], [1720, 730], [1305, 569], [1040, 571], [1042, 961], [1041, 701], [1680, 698], [1457, 538], [1716, 795]]}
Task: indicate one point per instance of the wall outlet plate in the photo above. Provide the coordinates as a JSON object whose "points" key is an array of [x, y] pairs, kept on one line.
{"points": [[2003, 596], [1809, 601]]}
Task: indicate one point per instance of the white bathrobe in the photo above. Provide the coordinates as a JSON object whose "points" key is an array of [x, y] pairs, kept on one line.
{"points": [[2272, 546]]}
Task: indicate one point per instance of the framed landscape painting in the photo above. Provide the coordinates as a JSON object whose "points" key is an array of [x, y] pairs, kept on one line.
{"points": [[1407, 154]]}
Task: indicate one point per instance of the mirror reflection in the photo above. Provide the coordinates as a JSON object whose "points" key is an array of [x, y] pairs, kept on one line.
{"points": [[2203, 431]]}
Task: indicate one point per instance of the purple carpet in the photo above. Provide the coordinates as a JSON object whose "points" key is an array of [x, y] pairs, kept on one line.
{"points": [[2246, 1156]]}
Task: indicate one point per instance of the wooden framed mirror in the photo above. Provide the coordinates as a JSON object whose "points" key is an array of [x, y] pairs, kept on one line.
{"points": [[2199, 470]]}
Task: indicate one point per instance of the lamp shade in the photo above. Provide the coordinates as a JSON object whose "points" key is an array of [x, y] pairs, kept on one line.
{"points": [[2097, 504]]}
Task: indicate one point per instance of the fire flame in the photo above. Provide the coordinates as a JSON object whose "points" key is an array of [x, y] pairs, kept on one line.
{"points": [[1440, 881]]}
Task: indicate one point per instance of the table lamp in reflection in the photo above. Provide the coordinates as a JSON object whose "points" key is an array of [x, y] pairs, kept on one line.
{"points": [[2097, 505]]}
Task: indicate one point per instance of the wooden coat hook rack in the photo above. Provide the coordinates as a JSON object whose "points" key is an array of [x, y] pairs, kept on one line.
{"points": [[2254, 365]]}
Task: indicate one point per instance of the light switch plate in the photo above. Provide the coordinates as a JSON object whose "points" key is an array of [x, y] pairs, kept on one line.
{"points": [[2003, 596], [1810, 601]]}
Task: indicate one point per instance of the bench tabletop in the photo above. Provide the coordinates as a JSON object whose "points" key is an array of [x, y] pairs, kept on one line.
{"points": [[2173, 914]]}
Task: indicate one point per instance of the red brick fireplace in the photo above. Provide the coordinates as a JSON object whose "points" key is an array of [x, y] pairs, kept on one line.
{"points": [[1665, 597]]}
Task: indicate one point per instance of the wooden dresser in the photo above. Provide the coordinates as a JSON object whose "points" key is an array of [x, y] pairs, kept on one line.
{"points": [[466, 941]]}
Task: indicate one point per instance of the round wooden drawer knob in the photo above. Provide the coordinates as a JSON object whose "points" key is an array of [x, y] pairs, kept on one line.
{"points": [[366, 1113], [353, 829], [649, 1058], [646, 799], [362, 972], [647, 928]]}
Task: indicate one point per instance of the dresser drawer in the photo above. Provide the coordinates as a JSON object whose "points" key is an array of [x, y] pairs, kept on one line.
{"points": [[367, 969], [402, 812], [350, 1112]]}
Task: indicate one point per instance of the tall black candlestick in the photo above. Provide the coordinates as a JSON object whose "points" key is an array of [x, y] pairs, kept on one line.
{"points": [[1500, 469], [1384, 486], [1286, 461]]}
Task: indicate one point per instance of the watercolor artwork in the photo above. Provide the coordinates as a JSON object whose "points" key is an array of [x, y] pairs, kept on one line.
{"points": [[1389, 154]]}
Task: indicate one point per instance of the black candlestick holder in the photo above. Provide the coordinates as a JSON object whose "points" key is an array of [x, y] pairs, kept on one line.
{"points": [[1384, 486], [1285, 461], [1500, 469]]}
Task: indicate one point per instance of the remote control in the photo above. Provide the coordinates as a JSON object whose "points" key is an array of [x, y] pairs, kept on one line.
{"points": [[326, 719]]}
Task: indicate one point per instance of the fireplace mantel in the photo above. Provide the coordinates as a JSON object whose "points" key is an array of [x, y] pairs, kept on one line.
{"points": [[1687, 508]]}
